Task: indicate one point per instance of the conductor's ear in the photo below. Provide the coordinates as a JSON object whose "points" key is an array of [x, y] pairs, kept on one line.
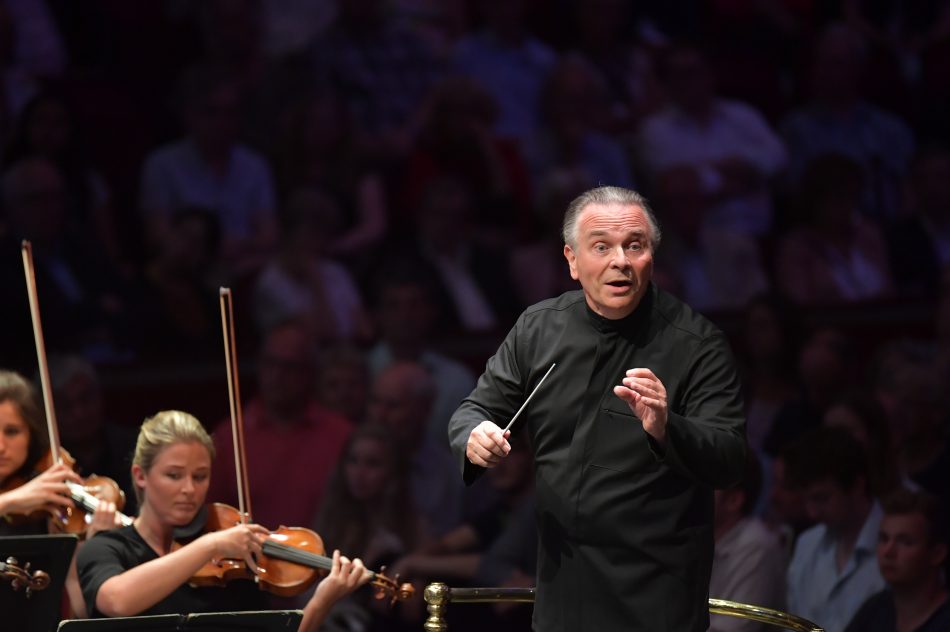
{"points": [[571, 261]]}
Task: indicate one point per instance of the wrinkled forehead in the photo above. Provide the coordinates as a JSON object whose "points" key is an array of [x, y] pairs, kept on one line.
{"points": [[612, 218]]}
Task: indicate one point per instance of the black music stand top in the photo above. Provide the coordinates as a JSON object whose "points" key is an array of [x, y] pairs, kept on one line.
{"points": [[269, 621], [40, 612]]}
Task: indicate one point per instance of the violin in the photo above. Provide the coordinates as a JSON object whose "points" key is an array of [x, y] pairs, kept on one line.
{"points": [[94, 488], [20, 576], [293, 557]]}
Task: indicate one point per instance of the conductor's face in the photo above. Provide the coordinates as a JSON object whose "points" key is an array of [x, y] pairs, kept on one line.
{"points": [[612, 257]]}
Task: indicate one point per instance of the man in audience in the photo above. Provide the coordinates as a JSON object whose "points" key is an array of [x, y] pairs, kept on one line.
{"points": [[401, 399], [748, 560], [833, 570], [292, 442], [911, 553]]}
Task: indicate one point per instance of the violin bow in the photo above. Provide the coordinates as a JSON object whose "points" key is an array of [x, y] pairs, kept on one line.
{"points": [[78, 493], [30, 274], [234, 397]]}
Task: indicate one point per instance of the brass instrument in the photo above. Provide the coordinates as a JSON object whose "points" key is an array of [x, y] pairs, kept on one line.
{"points": [[438, 596]]}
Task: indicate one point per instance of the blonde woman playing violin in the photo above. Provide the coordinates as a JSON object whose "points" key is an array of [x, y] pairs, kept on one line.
{"points": [[141, 570]]}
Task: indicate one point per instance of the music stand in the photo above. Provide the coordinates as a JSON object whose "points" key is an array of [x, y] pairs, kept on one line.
{"points": [[269, 621], [42, 610]]}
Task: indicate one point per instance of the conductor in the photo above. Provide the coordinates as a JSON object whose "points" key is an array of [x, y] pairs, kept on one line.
{"points": [[639, 422]]}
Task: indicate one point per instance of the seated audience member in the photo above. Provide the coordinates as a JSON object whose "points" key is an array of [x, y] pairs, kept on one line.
{"points": [[142, 570], [838, 120], [458, 554], [538, 268], [401, 400], [826, 370], [833, 570], [785, 511], [29, 494], [406, 313], [769, 344], [181, 319], [510, 62], [920, 419], [319, 149], [920, 242], [862, 416], [574, 120], [210, 168], [473, 273], [911, 553], [727, 144], [383, 71], [83, 303], [748, 559], [701, 260], [343, 381], [368, 511], [456, 141], [293, 442], [99, 446], [48, 128], [836, 255], [301, 283]]}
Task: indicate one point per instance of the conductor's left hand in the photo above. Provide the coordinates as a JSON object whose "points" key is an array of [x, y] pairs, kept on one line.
{"points": [[645, 394]]}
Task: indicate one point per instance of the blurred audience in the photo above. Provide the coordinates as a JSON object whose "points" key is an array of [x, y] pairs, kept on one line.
{"points": [[920, 242], [728, 144], [748, 559], [406, 314], [211, 168], [836, 255], [293, 443], [507, 60], [833, 569], [401, 400], [911, 554], [302, 283], [838, 120]]}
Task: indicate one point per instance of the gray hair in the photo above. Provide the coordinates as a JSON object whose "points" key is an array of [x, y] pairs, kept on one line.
{"points": [[608, 195]]}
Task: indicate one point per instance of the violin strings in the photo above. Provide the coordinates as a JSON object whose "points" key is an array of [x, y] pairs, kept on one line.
{"points": [[292, 554]]}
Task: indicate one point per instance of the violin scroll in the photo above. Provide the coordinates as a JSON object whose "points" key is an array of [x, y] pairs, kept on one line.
{"points": [[21, 576], [389, 587]]}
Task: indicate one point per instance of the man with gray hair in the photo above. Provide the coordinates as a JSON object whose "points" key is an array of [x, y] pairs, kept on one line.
{"points": [[633, 429]]}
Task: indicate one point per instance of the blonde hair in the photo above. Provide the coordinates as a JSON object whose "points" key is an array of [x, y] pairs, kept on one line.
{"points": [[163, 429]]}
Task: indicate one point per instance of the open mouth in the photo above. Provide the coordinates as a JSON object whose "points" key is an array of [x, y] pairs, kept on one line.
{"points": [[622, 284]]}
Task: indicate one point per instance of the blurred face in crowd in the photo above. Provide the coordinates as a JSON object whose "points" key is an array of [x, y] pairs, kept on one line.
{"points": [[176, 484], [405, 314], [213, 119], [80, 412], [14, 440], [35, 201], [397, 403], [286, 376], [830, 504], [845, 417], [821, 361], [367, 469], [906, 552], [763, 333], [343, 388], [612, 258], [48, 129], [931, 180], [690, 80], [785, 500]]}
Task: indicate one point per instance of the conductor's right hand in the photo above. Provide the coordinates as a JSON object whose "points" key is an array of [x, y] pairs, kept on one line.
{"points": [[487, 444]]}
